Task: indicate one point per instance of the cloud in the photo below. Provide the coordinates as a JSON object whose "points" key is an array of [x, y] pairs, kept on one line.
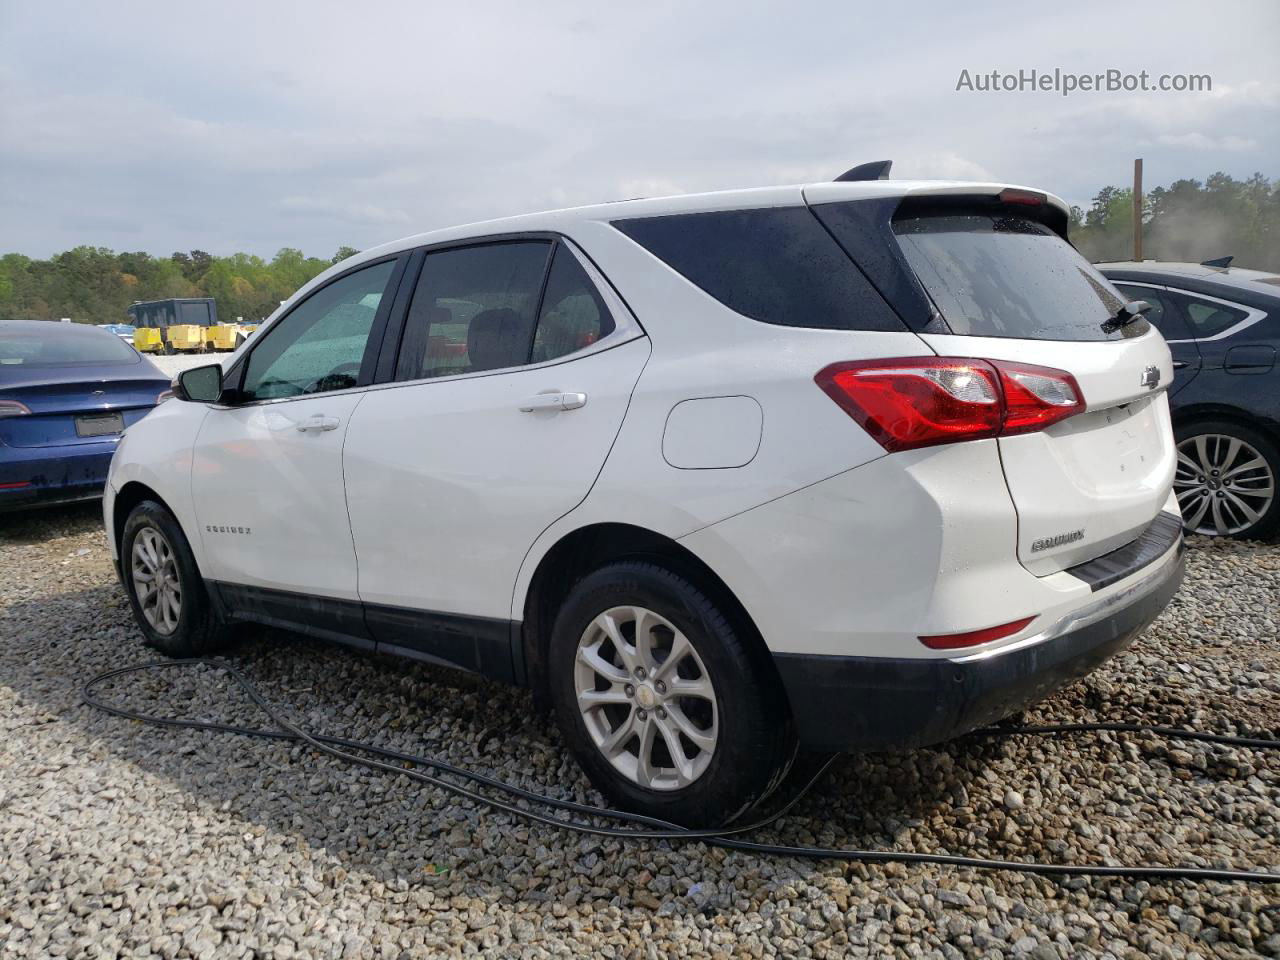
{"points": [[354, 212], [1198, 141], [279, 129]]}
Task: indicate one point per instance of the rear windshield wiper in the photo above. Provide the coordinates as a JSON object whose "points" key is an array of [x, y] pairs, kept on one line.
{"points": [[1127, 314]]}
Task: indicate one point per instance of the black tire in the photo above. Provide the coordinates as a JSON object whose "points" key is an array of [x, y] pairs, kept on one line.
{"points": [[1267, 525], [755, 743], [198, 631]]}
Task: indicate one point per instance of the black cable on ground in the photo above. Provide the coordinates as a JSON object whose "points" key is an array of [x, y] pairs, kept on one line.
{"points": [[655, 829]]}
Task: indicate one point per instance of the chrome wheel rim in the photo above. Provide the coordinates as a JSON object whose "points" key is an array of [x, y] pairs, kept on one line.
{"points": [[154, 570], [646, 698], [1224, 485]]}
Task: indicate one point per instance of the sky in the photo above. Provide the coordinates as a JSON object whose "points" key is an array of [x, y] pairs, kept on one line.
{"points": [[254, 126]]}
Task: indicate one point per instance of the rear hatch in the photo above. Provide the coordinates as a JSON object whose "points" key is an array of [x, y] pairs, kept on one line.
{"points": [[76, 411], [1007, 287]]}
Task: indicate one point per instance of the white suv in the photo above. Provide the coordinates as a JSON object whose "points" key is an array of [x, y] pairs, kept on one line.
{"points": [[853, 465]]}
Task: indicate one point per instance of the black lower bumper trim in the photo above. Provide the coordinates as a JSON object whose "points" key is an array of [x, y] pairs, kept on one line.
{"points": [[879, 703]]}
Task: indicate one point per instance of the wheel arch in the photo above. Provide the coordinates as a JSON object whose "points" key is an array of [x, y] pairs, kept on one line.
{"points": [[129, 496], [1201, 412], [585, 549]]}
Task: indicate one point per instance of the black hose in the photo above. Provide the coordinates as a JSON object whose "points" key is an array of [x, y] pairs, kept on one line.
{"points": [[726, 837]]}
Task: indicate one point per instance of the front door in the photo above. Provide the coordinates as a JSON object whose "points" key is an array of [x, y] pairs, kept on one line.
{"points": [[267, 471], [501, 419]]}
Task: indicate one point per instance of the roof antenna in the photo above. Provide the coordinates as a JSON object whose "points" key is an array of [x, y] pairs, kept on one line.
{"points": [[875, 170], [1222, 263]]}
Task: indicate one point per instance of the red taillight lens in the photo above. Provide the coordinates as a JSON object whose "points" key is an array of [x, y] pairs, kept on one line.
{"points": [[1035, 397], [911, 402], [955, 641], [917, 401]]}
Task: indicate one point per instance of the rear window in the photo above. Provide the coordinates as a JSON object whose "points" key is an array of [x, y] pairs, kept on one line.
{"points": [[58, 347], [777, 265], [995, 275]]}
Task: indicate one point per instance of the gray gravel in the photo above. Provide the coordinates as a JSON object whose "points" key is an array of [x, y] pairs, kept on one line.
{"points": [[123, 840]]}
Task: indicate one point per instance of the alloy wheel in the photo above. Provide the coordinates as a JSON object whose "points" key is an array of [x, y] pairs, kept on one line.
{"points": [[154, 571], [1223, 484], [646, 698]]}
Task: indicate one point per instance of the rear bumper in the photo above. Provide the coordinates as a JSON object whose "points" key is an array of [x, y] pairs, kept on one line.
{"points": [[876, 703], [52, 475]]}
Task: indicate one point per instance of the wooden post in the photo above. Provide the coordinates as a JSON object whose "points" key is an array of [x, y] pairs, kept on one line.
{"points": [[1137, 210]]}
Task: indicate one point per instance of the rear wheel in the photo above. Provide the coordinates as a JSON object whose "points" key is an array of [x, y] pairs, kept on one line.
{"points": [[660, 698], [1226, 480], [166, 592]]}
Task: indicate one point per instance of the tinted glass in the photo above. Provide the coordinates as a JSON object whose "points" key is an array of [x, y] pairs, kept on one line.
{"points": [[57, 347], [777, 265], [1160, 307], [319, 345], [573, 315], [992, 275], [473, 309], [1208, 318]]}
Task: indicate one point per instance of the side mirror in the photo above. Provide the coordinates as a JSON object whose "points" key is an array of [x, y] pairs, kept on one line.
{"points": [[199, 384]]}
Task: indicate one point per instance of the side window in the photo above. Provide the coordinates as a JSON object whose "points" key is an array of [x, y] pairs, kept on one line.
{"points": [[1158, 310], [473, 309], [1208, 318], [319, 345], [776, 265], [573, 315]]}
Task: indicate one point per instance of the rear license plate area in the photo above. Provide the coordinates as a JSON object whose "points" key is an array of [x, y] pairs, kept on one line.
{"points": [[99, 425]]}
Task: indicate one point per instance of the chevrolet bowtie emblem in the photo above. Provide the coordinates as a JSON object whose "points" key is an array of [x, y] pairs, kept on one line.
{"points": [[1151, 377]]}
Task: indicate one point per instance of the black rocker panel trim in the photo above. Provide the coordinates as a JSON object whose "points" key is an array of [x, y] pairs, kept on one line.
{"points": [[481, 645]]}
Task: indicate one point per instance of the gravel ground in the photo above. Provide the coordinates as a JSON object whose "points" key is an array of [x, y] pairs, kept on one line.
{"points": [[120, 839]]}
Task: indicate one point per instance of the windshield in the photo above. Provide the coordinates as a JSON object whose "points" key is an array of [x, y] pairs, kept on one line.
{"points": [[995, 275], [59, 347]]}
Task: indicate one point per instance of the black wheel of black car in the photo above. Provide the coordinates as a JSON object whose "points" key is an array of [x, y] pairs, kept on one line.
{"points": [[1226, 480], [662, 700], [166, 593]]}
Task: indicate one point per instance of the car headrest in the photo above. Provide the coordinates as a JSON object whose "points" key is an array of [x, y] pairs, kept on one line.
{"points": [[497, 338]]}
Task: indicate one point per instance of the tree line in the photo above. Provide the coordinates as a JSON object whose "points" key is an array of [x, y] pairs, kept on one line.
{"points": [[1187, 220], [97, 285]]}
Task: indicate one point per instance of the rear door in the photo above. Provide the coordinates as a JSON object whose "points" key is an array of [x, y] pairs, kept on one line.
{"points": [[499, 420], [1009, 288]]}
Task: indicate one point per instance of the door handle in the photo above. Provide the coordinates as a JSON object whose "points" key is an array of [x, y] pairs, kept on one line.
{"points": [[317, 422], [554, 401], [1179, 364]]}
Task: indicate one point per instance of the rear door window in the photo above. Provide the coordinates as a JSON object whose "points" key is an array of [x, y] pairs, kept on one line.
{"points": [[776, 265], [1208, 318], [473, 309], [999, 275], [573, 315], [1164, 314]]}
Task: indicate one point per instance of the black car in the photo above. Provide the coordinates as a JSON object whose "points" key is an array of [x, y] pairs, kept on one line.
{"points": [[1222, 324]]}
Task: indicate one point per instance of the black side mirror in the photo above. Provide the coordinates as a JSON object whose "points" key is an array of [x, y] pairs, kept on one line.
{"points": [[199, 384]]}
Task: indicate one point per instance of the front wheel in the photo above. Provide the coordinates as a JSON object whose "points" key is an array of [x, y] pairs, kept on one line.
{"points": [[1226, 480], [663, 701], [166, 592]]}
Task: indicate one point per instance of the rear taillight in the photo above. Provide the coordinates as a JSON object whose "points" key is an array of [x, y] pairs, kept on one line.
{"points": [[12, 408], [913, 402]]}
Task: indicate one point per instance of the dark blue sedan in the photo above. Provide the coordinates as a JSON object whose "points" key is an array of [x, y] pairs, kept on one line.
{"points": [[1223, 328], [67, 392]]}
